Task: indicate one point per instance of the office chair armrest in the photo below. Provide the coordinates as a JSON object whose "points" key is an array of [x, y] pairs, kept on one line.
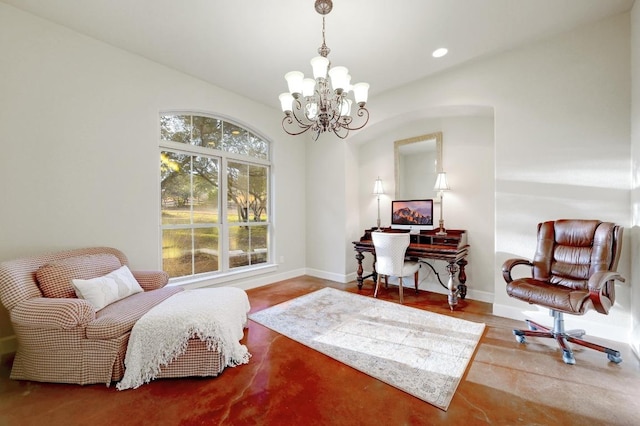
{"points": [[602, 296], [508, 265]]}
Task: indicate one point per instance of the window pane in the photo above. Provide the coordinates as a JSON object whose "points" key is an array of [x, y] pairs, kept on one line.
{"points": [[247, 192], [206, 245], [175, 188], [247, 245], [212, 133], [177, 260], [237, 192], [258, 193], [205, 190], [207, 132], [256, 146], [259, 249], [176, 128], [234, 139]]}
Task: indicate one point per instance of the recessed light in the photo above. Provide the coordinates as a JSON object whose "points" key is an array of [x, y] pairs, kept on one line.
{"points": [[439, 53]]}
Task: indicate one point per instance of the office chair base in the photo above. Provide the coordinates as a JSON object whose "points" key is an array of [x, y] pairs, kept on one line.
{"points": [[563, 338]]}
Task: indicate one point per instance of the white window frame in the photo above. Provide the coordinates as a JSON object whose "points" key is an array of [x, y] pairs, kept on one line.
{"points": [[224, 274]]}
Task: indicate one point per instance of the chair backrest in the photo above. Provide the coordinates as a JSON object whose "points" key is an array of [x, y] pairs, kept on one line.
{"points": [[390, 251], [570, 251], [18, 277]]}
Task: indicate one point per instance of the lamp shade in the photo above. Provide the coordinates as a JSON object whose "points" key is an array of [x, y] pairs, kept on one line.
{"points": [[294, 81], [441, 182], [339, 79], [308, 87], [320, 67], [286, 101], [377, 187], [361, 92]]}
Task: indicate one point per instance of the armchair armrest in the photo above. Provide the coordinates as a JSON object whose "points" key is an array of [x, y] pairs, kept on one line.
{"points": [[509, 264], [151, 280], [602, 295], [53, 313]]}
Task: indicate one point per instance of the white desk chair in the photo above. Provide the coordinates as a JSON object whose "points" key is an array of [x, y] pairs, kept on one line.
{"points": [[390, 258]]}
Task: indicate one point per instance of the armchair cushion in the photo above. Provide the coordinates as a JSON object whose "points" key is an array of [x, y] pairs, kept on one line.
{"points": [[54, 278], [119, 317], [104, 290], [558, 297]]}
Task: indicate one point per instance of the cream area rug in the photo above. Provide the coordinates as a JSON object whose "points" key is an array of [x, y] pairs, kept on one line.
{"points": [[420, 352]]}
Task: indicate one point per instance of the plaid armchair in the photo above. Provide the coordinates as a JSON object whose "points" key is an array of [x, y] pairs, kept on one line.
{"points": [[65, 339]]}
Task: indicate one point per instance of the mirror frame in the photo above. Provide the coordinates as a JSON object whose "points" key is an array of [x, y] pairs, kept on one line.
{"points": [[396, 153]]}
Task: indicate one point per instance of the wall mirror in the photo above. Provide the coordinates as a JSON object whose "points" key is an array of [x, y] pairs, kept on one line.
{"points": [[418, 161]]}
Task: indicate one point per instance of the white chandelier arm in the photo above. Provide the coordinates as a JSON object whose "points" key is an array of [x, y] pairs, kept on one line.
{"points": [[362, 112], [288, 122]]}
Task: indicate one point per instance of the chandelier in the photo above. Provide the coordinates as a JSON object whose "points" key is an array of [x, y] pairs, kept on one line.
{"points": [[321, 104]]}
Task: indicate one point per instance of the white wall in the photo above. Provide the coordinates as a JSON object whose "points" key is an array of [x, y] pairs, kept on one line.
{"points": [[80, 133], [562, 109], [468, 159], [326, 206], [561, 149], [634, 282]]}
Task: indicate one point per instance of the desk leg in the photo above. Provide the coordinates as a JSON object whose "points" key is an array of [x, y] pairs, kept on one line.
{"points": [[462, 277], [452, 298], [359, 257], [360, 270]]}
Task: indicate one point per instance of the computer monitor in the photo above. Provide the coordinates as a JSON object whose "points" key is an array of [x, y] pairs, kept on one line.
{"points": [[414, 215]]}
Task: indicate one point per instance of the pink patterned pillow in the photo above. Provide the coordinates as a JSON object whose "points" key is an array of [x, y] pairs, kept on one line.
{"points": [[54, 278]]}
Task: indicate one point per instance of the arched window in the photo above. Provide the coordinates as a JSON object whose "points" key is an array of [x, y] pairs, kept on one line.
{"points": [[214, 196]]}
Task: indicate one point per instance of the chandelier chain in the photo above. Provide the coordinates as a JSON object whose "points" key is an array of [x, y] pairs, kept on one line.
{"points": [[324, 49]]}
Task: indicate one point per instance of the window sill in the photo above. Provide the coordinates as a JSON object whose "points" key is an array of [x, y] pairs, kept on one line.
{"points": [[217, 279]]}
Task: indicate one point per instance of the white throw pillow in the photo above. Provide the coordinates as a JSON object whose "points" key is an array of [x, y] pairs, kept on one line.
{"points": [[107, 289]]}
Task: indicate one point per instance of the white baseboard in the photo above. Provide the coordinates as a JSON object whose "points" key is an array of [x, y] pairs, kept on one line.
{"points": [[433, 287], [340, 278], [262, 281], [480, 296]]}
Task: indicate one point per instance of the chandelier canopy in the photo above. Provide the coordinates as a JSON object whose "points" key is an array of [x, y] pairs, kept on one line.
{"points": [[321, 103]]}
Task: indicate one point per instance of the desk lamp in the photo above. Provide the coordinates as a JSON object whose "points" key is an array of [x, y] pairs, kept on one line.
{"points": [[441, 186], [378, 190]]}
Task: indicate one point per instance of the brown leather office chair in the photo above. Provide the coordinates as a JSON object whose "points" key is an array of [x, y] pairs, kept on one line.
{"points": [[573, 271]]}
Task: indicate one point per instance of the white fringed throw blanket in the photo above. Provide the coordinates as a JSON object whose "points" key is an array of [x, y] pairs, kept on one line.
{"points": [[215, 315]]}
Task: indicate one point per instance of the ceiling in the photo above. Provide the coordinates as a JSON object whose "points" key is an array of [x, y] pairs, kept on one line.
{"points": [[246, 46]]}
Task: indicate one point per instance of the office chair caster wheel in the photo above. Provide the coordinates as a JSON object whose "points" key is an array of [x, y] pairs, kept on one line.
{"points": [[520, 338], [614, 358], [531, 326], [567, 357]]}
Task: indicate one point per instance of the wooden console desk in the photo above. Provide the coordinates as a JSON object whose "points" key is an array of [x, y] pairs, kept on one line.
{"points": [[451, 248]]}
